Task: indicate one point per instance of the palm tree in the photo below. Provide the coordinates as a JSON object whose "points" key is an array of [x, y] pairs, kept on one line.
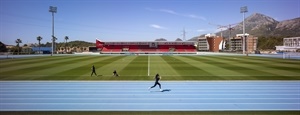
{"points": [[66, 38], [39, 38], [18, 41], [81, 48]]}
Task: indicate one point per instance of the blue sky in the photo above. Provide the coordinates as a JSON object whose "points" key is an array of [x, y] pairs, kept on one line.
{"points": [[129, 20]]}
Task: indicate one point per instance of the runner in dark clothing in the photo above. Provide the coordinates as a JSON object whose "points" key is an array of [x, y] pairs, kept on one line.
{"points": [[157, 78], [93, 71], [115, 73]]}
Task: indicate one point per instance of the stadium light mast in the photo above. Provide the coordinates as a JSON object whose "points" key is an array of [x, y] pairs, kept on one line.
{"points": [[53, 10], [183, 34], [244, 10]]}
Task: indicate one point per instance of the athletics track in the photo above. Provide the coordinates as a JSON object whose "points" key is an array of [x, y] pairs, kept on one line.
{"points": [[135, 96]]}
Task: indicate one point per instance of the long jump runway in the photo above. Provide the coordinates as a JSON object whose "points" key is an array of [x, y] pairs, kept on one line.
{"points": [[135, 96]]}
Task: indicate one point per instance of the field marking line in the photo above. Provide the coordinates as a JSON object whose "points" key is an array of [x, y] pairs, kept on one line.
{"points": [[148, 66], [150, 110], [151, 81]]}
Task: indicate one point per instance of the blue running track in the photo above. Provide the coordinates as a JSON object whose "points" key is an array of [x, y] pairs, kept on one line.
{"points": [[135, 96]]}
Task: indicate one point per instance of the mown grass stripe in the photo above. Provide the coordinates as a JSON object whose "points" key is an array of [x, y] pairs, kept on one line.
{"points": [[119, 66], [160, 66], [221, 63], [285, 63], [252, 70], [74, 70], [185, 69], [215, 69], [40, 68], [276, 60], [276, 68], [55, 59], [266, 66], [21, 61], [274, 63], [106, 70], [137, 67]]}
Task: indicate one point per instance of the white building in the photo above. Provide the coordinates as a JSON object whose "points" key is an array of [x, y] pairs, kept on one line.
{"points": [[289, 44], [210, 35], [241, 35]]}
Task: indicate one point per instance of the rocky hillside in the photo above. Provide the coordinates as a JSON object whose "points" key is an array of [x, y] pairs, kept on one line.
{"points": [[261, 25], [288, 28]]}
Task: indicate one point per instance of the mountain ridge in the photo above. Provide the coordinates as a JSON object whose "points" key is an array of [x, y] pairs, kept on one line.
{"points": [[259, 24]]}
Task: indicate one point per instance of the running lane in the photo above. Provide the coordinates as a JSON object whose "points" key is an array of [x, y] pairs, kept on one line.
{"points": [[135, 96]]}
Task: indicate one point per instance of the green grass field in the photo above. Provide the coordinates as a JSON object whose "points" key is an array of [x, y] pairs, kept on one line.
{"points": [[74, 67]]}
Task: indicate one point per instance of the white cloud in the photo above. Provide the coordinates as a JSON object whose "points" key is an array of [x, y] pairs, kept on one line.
{"points": [[168, 11], [157, 26], [200, 30], [178, 14]]}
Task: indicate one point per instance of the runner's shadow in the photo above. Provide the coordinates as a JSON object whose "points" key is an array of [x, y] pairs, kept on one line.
{"points": [[166, 90]]}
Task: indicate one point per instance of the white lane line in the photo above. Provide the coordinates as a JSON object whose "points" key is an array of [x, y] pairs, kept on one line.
{"points": [[192, 98], [196, 91], [183, 103], [135, 85], [146, 84], [200, 109], [290, 94], [183, 81], [163, 75], [134, 88]]}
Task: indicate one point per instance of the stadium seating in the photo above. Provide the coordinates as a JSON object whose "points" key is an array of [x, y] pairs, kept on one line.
{"points": [[144, 47]]}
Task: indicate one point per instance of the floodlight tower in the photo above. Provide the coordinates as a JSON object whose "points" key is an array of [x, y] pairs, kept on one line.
{"points": [[244, 10], [53, 10], [183, 34]]}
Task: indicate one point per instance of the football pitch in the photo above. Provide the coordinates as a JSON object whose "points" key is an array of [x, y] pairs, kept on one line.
{"points": [[77, 67]]}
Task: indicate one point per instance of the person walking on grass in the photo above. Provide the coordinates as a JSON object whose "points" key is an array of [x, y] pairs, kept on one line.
{"points": [[157, 78], [93, 71]]}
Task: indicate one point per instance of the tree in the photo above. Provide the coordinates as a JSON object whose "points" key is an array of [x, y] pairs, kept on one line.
{"points": [[18, 41], [39, 38], [48, 44], [269, 42], [14, 49], [178, 39], [81, 49], [3, 47], [161, 39], [66, 38]]}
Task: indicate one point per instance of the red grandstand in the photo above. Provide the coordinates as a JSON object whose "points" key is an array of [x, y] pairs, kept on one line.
{"points": [[142, 47]]}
